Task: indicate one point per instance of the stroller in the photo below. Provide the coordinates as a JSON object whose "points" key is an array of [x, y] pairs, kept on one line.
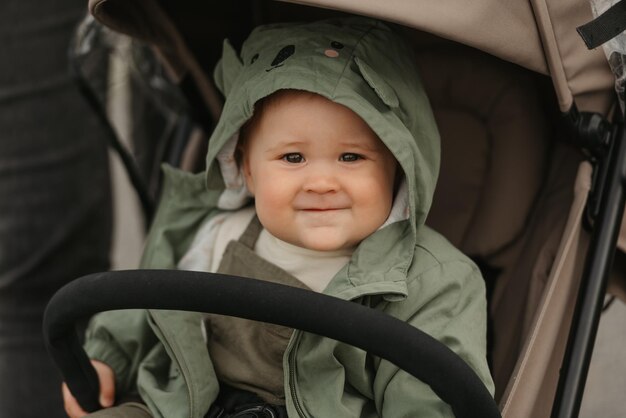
{"points": [[516, 92]]}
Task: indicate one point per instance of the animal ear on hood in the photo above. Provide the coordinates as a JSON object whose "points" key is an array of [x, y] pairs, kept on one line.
{"points": [[377, 83], [227, 69]]}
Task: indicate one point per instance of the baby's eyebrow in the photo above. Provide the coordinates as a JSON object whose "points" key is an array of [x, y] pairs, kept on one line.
{"points": [[285, 144], [360, 145]]}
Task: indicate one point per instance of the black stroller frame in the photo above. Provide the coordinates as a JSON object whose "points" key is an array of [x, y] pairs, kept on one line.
{"points": [[610, 172]]}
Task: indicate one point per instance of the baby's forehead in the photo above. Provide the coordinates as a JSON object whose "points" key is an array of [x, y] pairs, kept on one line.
{"points": [[304, 105], [297, 111]]}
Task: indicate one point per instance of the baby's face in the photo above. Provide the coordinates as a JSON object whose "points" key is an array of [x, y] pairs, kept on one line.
{"points": [[321, 178]]}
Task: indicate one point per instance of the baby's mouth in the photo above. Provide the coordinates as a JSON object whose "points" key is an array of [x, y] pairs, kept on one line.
{"points": [[315, 204], [320, 209]]}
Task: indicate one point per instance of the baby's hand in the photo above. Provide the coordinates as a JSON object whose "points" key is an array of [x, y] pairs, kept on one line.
{"points": [[107, 391]]}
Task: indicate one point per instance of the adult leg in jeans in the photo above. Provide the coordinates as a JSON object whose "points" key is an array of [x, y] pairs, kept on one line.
{"points": [[55, 213]]}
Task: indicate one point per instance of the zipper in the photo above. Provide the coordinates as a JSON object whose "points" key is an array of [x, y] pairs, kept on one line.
{"points": [[293, 345], [291, 353]]}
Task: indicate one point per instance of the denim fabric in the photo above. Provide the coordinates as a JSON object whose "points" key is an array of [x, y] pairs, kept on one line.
{"points": [[55, 202]]}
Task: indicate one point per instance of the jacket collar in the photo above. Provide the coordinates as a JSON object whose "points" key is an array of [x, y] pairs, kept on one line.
{"points": [[379, 265]]}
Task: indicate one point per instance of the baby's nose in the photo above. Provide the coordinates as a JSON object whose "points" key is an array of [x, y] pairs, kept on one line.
{"points": [[322, 182]]}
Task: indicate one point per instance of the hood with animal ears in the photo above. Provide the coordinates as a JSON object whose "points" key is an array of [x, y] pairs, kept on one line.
{"points": [[357, 62]]}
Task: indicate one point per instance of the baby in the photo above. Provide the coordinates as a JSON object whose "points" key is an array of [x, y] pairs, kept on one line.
{"points": [[320, 174]]}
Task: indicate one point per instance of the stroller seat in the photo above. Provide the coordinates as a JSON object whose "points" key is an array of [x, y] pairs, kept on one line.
{"points": [[503, 196], [494, 153]]}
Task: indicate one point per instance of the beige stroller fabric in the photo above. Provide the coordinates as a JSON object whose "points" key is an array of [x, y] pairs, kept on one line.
{"points": [[531, 388], [486, 203], [539, 35]]}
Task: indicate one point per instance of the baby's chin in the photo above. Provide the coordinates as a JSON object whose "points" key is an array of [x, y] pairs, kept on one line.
{"points": [[322, 243]]}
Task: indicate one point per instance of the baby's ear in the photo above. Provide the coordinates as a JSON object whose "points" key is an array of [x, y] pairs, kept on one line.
{"points": [[377, 83], [246, 173], [227, 69]]}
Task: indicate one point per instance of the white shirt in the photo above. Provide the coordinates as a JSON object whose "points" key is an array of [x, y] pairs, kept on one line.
{"points": [[313, 268]]}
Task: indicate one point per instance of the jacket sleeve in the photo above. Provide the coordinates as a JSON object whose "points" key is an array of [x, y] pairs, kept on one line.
{"points": [[121, 339], [447, 302]]}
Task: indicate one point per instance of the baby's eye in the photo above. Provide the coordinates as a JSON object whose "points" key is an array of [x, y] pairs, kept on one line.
{"points": [[349, 157], [293, 158]]}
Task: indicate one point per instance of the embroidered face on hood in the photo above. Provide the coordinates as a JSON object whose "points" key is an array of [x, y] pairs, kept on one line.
{"points": [[356, 62]]}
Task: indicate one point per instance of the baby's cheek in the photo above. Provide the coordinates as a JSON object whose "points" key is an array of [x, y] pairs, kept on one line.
{"points": [[269, 196], [270, 206]]}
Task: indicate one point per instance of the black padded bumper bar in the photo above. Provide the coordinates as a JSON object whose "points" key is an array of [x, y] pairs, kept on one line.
{"points": [[382, 335]]}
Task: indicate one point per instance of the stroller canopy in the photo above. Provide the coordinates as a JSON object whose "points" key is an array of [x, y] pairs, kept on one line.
{"points": [[538, 35]]}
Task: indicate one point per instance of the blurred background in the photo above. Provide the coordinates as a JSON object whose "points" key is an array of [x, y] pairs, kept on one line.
{"points": [[55, 193]]}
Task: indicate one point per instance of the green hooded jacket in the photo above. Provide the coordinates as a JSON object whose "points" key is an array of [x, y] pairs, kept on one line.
{"points": [[404, 269]]}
